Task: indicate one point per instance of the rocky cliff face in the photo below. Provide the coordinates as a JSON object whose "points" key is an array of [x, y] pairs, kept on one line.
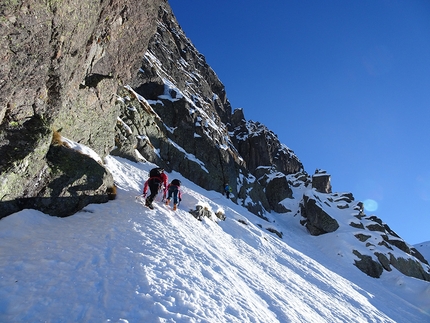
{"points": [[121, 77], [190, 120], [61, 65]]}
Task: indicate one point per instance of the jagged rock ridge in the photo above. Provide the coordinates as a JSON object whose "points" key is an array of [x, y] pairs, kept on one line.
{"points": [[194, 118]]}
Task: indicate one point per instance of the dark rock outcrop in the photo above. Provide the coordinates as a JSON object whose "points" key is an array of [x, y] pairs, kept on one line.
{"points": [[276, 187], [367, 265], [321, 182], [317, 221], [382, 248], [389, 249], [260, 147]]}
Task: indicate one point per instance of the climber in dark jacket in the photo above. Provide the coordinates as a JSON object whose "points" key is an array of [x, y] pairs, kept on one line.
{"points": [[175, 192], [157, 180], [227, 190]]}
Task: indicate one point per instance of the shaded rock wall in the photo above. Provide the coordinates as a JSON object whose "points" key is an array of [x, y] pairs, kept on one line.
{"points": [[318, 221], [196, 132], [259, 146]]}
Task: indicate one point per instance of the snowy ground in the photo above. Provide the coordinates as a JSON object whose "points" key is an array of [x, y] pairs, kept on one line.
{"points": [[121, 262]]}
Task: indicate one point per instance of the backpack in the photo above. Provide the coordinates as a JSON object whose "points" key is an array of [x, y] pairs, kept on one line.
{"points": [[176, 182], [156, 172]]}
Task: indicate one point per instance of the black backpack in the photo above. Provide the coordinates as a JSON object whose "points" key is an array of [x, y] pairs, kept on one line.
{"points": [[156, 172], [176, 182]]}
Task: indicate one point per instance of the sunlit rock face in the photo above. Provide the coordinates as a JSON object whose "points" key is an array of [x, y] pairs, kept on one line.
{"points": [[61, 66]]}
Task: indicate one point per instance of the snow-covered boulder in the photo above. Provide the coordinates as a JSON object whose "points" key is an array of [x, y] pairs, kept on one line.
{"points": [[317, 220]]}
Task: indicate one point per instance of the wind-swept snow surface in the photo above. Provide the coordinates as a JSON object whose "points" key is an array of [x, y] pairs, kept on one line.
{"points": [[122, 262]]}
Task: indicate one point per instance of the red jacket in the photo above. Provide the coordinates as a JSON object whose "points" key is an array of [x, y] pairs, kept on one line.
{"points": [[164, 180]]}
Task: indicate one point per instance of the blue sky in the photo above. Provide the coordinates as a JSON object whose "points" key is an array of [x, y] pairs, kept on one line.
{"points": [[345, 84]]}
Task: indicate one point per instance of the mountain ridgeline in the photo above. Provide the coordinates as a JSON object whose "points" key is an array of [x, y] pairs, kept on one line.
{"points": [[122, 78]]}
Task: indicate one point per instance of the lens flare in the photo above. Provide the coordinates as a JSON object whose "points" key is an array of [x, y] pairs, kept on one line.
{"points": [[423, 186], [370, 205]]}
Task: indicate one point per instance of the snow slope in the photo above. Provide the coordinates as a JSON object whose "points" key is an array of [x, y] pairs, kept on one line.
{"points": [[121, 262]]}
